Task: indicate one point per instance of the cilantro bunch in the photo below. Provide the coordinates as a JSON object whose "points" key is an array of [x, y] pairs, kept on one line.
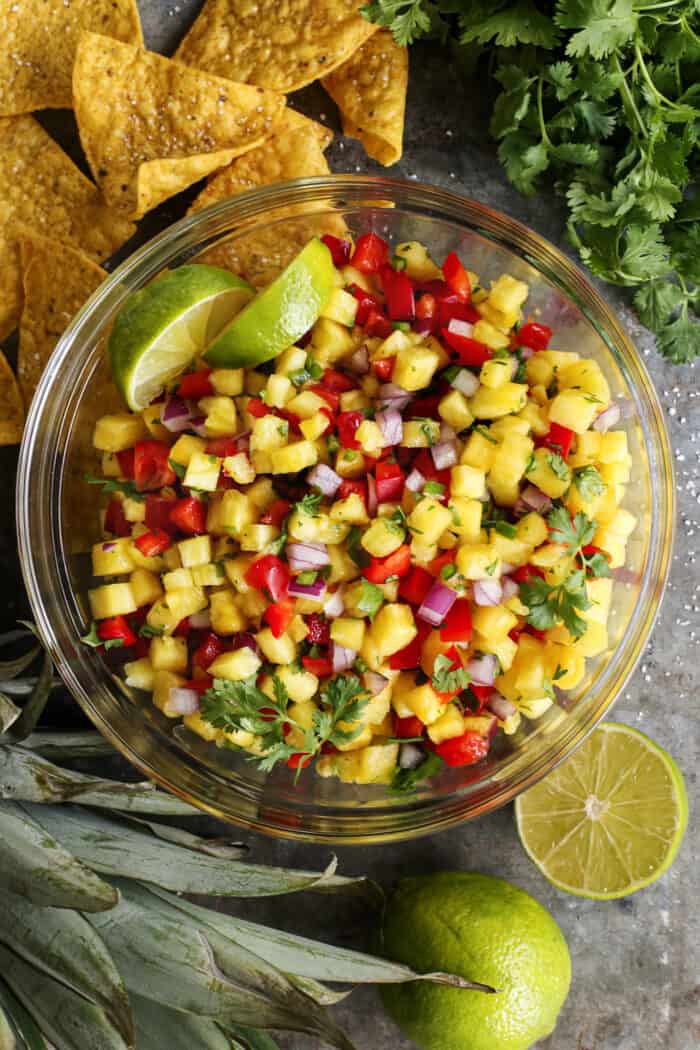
{"points": [[600, 98]]}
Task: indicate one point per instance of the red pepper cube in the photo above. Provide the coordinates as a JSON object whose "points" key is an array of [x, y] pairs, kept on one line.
{"points": [[559, 439], [458, 623], [470, 351], [347, 424], [153, 543], [115, 519], [195, 385], [116, 629], [463, 750], [270, 575], [276, 513], [158, 510], [408, 727], [125, 459], [410, 656], [371, 253], [390, 482], [349, 487], [378, 325], [399, 294], [535, 336], [189, 515], [321, 666], [279, 616], [383, 368], [397, 563], [415, 585], [456, 277], [319, 630], [340, 249], [151, 467]]}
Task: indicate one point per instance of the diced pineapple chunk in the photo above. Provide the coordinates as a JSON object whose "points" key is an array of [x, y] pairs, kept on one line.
{"points": [[420, 433], [202, 728], [468, 481], [393, 628], [278, 390], [237, 511], [293, 359], [586, 376], [504, 649], [227, 381], [573, 409], [447, 726], [424, 702], [185, 447], [195, 551], [351, 510], [268, 433], [419, 265], [203, 472], [350, 464], [169, 654], [139, 674], [294, 458], [549, 472], [112, 599], [167, 612], [466, 519], [134, 509], [330, 341], [478, 561], [341, 307], [236, 666], [348, 632], [314, 428], [496, 372], [163, 682], [613, 447], [112, 557], [506, 400], [429, 519], [382, 538], [415, 367], [532, 529], [300, 685], [151, 418], [508, 466], [307, 404], [487, 333], [239, 468], [226, 617], [454, 409], [508, 294], [539, 371], [178, 579], [493, 621], [479, 451], [220, 418], [370, 437], [117, 432], [282, 650], [211, 575], [145, 587], [390, 346]]}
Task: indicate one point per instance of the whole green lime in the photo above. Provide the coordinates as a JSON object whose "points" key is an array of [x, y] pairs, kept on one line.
{"points": [[486, 930]]}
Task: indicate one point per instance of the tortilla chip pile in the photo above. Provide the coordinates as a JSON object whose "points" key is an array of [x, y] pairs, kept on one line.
{"points": [[151, 126]]}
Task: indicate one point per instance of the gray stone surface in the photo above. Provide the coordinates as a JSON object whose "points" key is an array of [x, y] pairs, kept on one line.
{"points": [[636, 962]]}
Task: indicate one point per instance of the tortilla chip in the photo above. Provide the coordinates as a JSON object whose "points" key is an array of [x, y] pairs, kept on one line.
{"points": [[279, 44], [39, 41], [370, 92], [56, 280], [295, 151], [41, 187], [150, 127], [11, 406]]}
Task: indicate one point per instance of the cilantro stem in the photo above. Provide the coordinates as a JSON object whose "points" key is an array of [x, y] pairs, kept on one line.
{"points": [[540, 112], [642, 66], [659, 7], [628, 100], [687, 28]]}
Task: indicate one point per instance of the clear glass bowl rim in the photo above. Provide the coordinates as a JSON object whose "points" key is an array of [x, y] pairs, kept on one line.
{"points": [[36, 517]]}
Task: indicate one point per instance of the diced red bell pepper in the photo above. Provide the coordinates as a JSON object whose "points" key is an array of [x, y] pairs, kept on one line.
{"points": [[378, 325], [482, 694], [534, 335], [321, 666], [331, 397], [115, 520], [397, 563], [151, 467], [399, 294], [222, 447], [319, 630], [279, 616], [390, 481], [437, 564], [458, 623], [205, 653], [257, 408], [200, 685], [424, 407], [153, 543], [184, 628], [125, 459], [337, 381], [339, 249], [415, 585], [190, 516], [541, 636], [276, 513], [195, 385], [470, 351], [347, 424], [426, 313], [158, 510], [452, 308], [425, 465], [559, 439], [116, 629], [410, 656], [270, 575], [383, 368], [371, 252], [463, 750], [366, 302], [525, 573], [349, 486], [299, 761], [457, 277], [408, 727]]}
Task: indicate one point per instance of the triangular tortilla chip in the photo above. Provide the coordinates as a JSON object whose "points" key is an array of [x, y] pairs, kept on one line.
{"points": [[295, 151], [39, 41], [11, 407], [281, 45], [56, 281], [41, 187], [370, 92], [150, 127]]}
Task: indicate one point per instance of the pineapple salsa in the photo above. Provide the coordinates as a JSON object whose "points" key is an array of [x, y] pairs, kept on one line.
{"points": [[381, 547]]}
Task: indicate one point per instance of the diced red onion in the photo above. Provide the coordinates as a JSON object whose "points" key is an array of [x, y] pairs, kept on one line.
{"points": [[307, 556], [436, 604], [391, 426], [506, 568], [447, 433], [374, 682], [315, 590], [359, 362], [415, 481], [444, 454], [482, 670], [198, 425], [200, 620], [509, 587], [466, 382], [110, 546], [183, 701], [487, 592], [500, 707], [342, 658], [175, 415], [393, 396], [245, 640], [520, 507], [372, 502], [334, 605], [410, 756], [325, 479], [535, 499], [463, 328], [609, 417]]}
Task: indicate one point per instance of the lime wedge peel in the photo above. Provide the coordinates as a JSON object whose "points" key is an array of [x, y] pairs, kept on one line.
{"points": [[610, 819], [280, 314], [165, 325]]}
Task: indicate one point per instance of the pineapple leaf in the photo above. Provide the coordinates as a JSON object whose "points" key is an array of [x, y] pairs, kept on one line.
{"points": [[113, 848], [9, 713], [62, 944], [12, 668], [221, 848], [68, 1020], [162, 1028], [22, 1022], [250, 1039], [34, 707], [36, 866], [84, 743]]}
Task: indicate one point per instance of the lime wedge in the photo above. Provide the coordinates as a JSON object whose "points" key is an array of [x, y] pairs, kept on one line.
{"points": [[610, 819], [280, 314], [165, 325]]}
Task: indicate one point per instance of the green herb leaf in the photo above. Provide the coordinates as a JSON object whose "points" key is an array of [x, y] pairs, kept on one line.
{"points": [[589, 483], [409, 779], [446, 678], [128, 488], [309, 504], [177, 467]]}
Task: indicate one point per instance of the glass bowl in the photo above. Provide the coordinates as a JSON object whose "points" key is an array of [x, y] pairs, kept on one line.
{"points": [[56, 509]]}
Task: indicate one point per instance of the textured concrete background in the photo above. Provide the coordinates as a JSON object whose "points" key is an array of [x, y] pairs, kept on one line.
{"points": [[636, 962]]}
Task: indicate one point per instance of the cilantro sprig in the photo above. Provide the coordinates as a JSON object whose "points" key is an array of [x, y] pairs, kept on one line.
{"points": [[127, 488], [446, 678]]}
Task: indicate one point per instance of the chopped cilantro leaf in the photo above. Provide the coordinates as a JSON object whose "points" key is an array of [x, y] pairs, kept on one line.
{"points": [[309, 504], [447, 679], [180, 471], [409, 779], [128, 488], [589, 483]]}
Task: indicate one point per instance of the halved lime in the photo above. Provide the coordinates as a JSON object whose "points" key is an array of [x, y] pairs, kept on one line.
{"points": [[278, 315], [610, 819], [165, 325]]}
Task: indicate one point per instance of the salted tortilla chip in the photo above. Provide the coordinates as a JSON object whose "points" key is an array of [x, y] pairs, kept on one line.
{"points": [[150, 127], [295, 151], [41, 187], [281, 44], [56, 281], [370, 92], [39, 41], [11, 406]]}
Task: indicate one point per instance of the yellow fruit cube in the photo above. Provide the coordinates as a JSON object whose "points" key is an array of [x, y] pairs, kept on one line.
{"points": [[112, 599], [139, 674], [573, 409], [594, 641], [547, 556], [236, 512], [278, 391], [282, 650], [506, 400], [220, 415], [532, 529], [151, 419], [390, 347], [493, 621], [586, 376], [539, 371], [420, 433], [203, 472], [341, 307], [419, 265], [415, 367], [257, 537], [393, 628], [293, 359], [429, 519], [306, 405], [454, 409], [225, 614], [211, 575], [163, 682], [268, 433], [236, 666], [166, 613], [351, 510], [178, 579], [112, 557], [504, 649], [382, 538], [479, 450], [549, 472], [300, 685], [466, 519], [198, 725], [145, 587], [239, 468], [330, 340], [314, 428], [370, 437], [227, 381], [448, 725], [613, 447], [169, 654], [185, 447], [117, 432], [585, 450], [508, 294], [254, 384], [424, 702], [348, 632], [478, 561], [467, 481], [496, 372], [195, 551], [536, 418], [487, 333], [294, 458]]}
